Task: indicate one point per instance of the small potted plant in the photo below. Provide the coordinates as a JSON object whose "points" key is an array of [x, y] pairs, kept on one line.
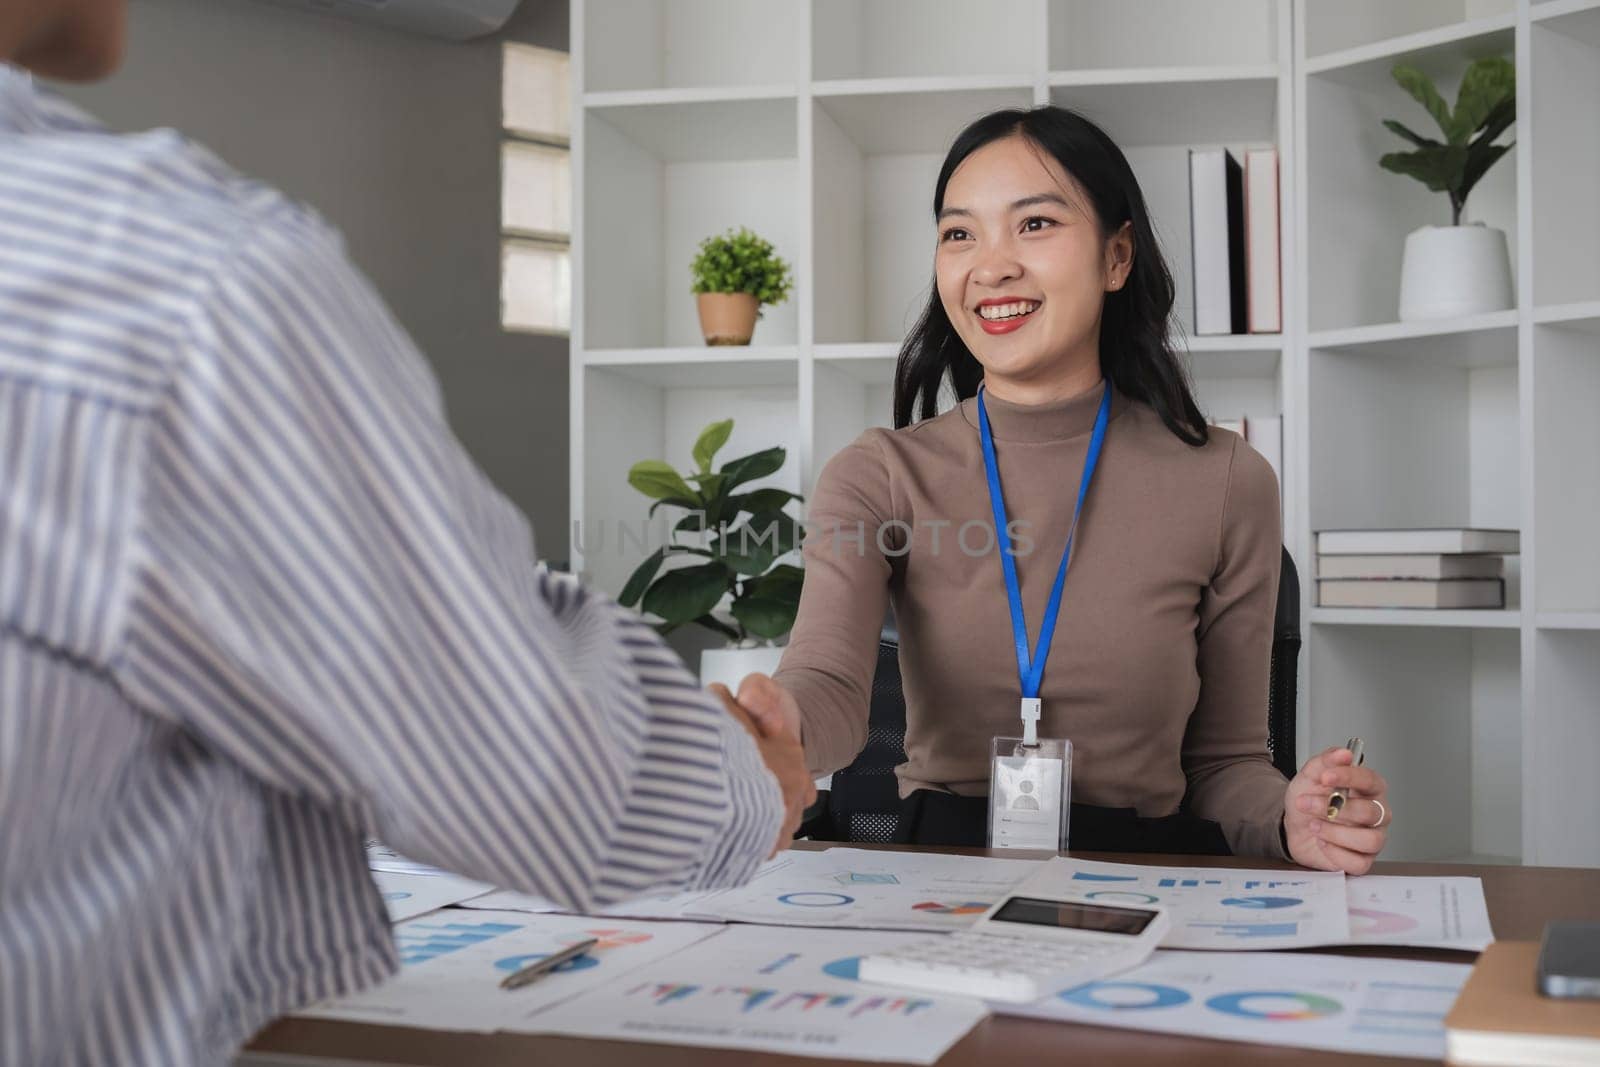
{"points": [[734, 275], [1456, 269], [737, 539]]}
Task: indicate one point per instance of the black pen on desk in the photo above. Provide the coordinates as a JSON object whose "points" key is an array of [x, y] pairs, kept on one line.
{"points": [[539, 968], [1358, 755]]}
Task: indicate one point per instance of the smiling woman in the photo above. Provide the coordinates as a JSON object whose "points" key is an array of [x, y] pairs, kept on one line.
{"points": [[1049, 321]]}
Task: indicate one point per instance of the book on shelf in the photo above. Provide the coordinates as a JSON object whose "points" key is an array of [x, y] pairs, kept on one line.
{"points": [[1500, 1017], [1441, 541], [1411, 593], [1265, 435], [1216, 220], [1434, 566], [1264, 302]]}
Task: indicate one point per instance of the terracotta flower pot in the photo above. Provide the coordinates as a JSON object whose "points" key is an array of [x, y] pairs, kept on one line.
{"points": [[728, 318]]}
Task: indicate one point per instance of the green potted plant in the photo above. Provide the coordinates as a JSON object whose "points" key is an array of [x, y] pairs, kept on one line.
{"points": [[736, 537], [1456, 269], [734, 275]]}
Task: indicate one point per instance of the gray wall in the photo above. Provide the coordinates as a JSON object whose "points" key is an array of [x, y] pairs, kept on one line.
{"points": [[394, 139]]}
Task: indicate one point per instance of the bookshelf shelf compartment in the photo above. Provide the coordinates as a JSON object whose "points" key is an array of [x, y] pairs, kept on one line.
{"points": [[1566, 375], [1345, 34], [1358, 214], [1207, 111], [1092, 34], [1563, 733], [1438, 709], [662, 178], [918, 38], [1565, 79], [674, 44], [656, 410]]}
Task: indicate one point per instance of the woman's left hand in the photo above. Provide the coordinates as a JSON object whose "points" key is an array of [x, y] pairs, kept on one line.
{"points": [[1350, 842]]}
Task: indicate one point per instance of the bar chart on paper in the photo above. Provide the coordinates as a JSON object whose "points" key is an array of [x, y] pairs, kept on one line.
{"points": [[452, 963], [772, 989], [1213, 908]]}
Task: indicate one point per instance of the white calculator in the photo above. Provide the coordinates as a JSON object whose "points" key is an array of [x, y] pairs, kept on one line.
{"points": [[1025, 948]]}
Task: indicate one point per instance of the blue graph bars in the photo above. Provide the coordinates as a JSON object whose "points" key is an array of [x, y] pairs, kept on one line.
{"points": [[1187, 883], [420, 942]]}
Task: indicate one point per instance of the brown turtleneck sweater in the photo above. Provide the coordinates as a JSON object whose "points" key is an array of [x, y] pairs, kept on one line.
{"points": [[1158, 670]]}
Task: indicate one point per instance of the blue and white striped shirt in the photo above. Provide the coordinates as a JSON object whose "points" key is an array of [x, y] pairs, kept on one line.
{"points": [[257, 603]]}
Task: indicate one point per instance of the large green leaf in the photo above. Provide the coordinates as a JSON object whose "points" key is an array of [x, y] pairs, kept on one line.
{"points": [[1403, 131], [655, 478], [749, 468], [675, 501], [687, 593], [752, 546], [1438, 168], [1479, 160], [1503, 115], [1420, 86], [784, 580], [764, 616], [711, 439], [639, 580], [1486, 84], [771, 499]]}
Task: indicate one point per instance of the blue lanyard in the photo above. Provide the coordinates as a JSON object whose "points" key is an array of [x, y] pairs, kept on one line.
{"points": [[1030, 670]]}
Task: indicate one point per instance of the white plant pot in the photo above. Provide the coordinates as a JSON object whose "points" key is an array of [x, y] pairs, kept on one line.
{"points": [[1450, 271], [730, 665]]}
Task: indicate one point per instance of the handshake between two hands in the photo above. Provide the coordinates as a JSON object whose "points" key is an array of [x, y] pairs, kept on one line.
{"points": [[772, 716]]}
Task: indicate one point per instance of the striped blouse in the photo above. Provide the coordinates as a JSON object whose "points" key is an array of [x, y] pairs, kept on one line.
{"points": [[256, 603]]}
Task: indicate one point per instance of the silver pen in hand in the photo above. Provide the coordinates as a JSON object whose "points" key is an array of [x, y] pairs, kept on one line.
{"points": [[1357, 757], [539, 968]]}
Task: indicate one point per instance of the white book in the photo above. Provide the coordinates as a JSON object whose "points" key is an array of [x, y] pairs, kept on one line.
{"points": [[1266, 436], [1264, 305], [1405, 593], [1448, 541], [1434, 567], [1216, 219]]}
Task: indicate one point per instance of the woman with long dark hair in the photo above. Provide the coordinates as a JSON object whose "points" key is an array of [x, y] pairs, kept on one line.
{"points": [[1073, 415]]}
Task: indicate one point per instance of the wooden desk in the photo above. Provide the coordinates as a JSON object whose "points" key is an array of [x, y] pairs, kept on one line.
{"points": [[1521, 900]]}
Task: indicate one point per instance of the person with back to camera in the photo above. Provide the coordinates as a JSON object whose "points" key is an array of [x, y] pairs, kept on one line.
{"points": [[1050, 294], [256, 603]]}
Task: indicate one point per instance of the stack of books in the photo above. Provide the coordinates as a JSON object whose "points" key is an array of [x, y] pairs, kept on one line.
{"points": [[1445, 568], [1234, 238]]}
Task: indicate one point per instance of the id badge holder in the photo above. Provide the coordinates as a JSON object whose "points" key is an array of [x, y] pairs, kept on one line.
{"points": [[1030, 793]]}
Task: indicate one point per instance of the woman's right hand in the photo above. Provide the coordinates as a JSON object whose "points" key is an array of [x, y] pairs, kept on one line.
{"points": [[779, 744]]}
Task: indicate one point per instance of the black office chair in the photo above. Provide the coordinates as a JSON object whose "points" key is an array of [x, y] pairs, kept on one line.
{"points": [[863, 801]]}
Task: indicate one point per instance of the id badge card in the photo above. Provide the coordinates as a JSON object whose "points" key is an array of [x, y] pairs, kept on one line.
{"points": [[1030, 793]]}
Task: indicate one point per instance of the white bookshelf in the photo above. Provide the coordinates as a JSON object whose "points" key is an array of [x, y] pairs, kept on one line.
{"points": [[821, 124]]}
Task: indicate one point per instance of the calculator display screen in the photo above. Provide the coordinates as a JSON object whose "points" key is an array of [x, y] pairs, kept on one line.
{"points": [[1102, 918]]}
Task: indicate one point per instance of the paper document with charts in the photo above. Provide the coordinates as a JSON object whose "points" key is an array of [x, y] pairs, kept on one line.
{"points": [[451, 964], [1301, 1000], [1216, 907], [873, 890], [771, 989]]}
